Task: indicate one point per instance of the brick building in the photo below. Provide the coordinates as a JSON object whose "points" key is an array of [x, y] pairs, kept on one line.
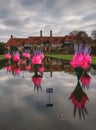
{"points": [[47, 43]]}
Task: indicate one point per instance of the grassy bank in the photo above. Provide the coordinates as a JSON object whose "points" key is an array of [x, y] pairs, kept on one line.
{"points": [[2, 57], [60, 56], [67, 57]]}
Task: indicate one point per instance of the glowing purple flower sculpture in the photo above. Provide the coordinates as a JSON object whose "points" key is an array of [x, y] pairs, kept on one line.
{"points": [[81, 56], [16, 56], [37, 57], [26, 54], [8, 55]]}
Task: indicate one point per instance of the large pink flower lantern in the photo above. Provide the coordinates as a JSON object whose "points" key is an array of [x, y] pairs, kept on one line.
{"points": [[26, 54], [16, 56], [82, 57], [8, 55], [37, 57]]}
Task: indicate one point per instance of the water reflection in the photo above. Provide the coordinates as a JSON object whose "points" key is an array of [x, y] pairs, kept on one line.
{"points": [[85, 79], [37, 78], [79, 99], [38, 74]]}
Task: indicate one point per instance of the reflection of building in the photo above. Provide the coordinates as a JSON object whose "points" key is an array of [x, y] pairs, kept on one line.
{"points": [[50, 65]]}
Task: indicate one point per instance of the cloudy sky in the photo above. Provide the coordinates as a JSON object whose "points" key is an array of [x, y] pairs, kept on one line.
{"points": [[24, 18]]}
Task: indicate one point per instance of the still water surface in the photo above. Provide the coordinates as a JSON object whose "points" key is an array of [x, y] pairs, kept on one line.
{"points": [[24, 107]]}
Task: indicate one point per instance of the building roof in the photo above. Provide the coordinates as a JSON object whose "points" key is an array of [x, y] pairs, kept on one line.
{"points": [[43, 39], [34, 40], [16, 41], [81, 36]]}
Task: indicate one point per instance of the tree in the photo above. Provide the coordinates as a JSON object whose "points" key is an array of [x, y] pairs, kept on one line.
{"points": [[93, 34], [2, 48], [81, 37]]}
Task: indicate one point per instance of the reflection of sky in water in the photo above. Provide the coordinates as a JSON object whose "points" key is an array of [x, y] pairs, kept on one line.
{"points": [[23, 109]]}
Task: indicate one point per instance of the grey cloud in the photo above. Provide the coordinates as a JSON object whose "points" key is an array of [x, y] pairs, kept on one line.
{"points": [[90, 17], [31, 4], [13, 22], [4, 13], [27, 17]]}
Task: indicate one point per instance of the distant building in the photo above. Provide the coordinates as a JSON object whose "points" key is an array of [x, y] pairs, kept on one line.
{"points": [[47, 43]]}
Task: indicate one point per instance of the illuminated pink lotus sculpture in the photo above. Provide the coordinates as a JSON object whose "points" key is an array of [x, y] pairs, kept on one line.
{"points": [[37, 57], [82, 57], [26, 54], [16, 56], [8, 55], [79, 99]]}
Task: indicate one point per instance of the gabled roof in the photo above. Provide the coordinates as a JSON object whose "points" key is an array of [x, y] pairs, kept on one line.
{"points": [[70, 38], [39, 40], [16, 41], [34, 40]]}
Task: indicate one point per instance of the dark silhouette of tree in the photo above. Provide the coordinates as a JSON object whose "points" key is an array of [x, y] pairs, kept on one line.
{"points": [[93, 34], [81, 37], [2, 48]]}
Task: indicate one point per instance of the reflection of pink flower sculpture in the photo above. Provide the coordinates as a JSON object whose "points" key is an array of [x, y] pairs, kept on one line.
{"points": [[8, 68], [85, 80], [37, 80], [81, 57], [8, 55], [28, 67], [16, 57], [79, 99], [41, 69], [16, 70], [79, 103], [24, 62]]}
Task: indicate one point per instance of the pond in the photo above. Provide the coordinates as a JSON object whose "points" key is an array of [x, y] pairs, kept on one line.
{"points": [[23, 106]]}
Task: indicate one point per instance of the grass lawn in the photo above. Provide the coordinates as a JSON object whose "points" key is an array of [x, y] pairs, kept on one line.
{"points": [[2, 57], [60, 56], [67, 57]]}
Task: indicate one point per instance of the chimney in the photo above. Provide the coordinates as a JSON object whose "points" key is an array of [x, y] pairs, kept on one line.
{"points": [[40, 33], [11, 36], [50, 33]]}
